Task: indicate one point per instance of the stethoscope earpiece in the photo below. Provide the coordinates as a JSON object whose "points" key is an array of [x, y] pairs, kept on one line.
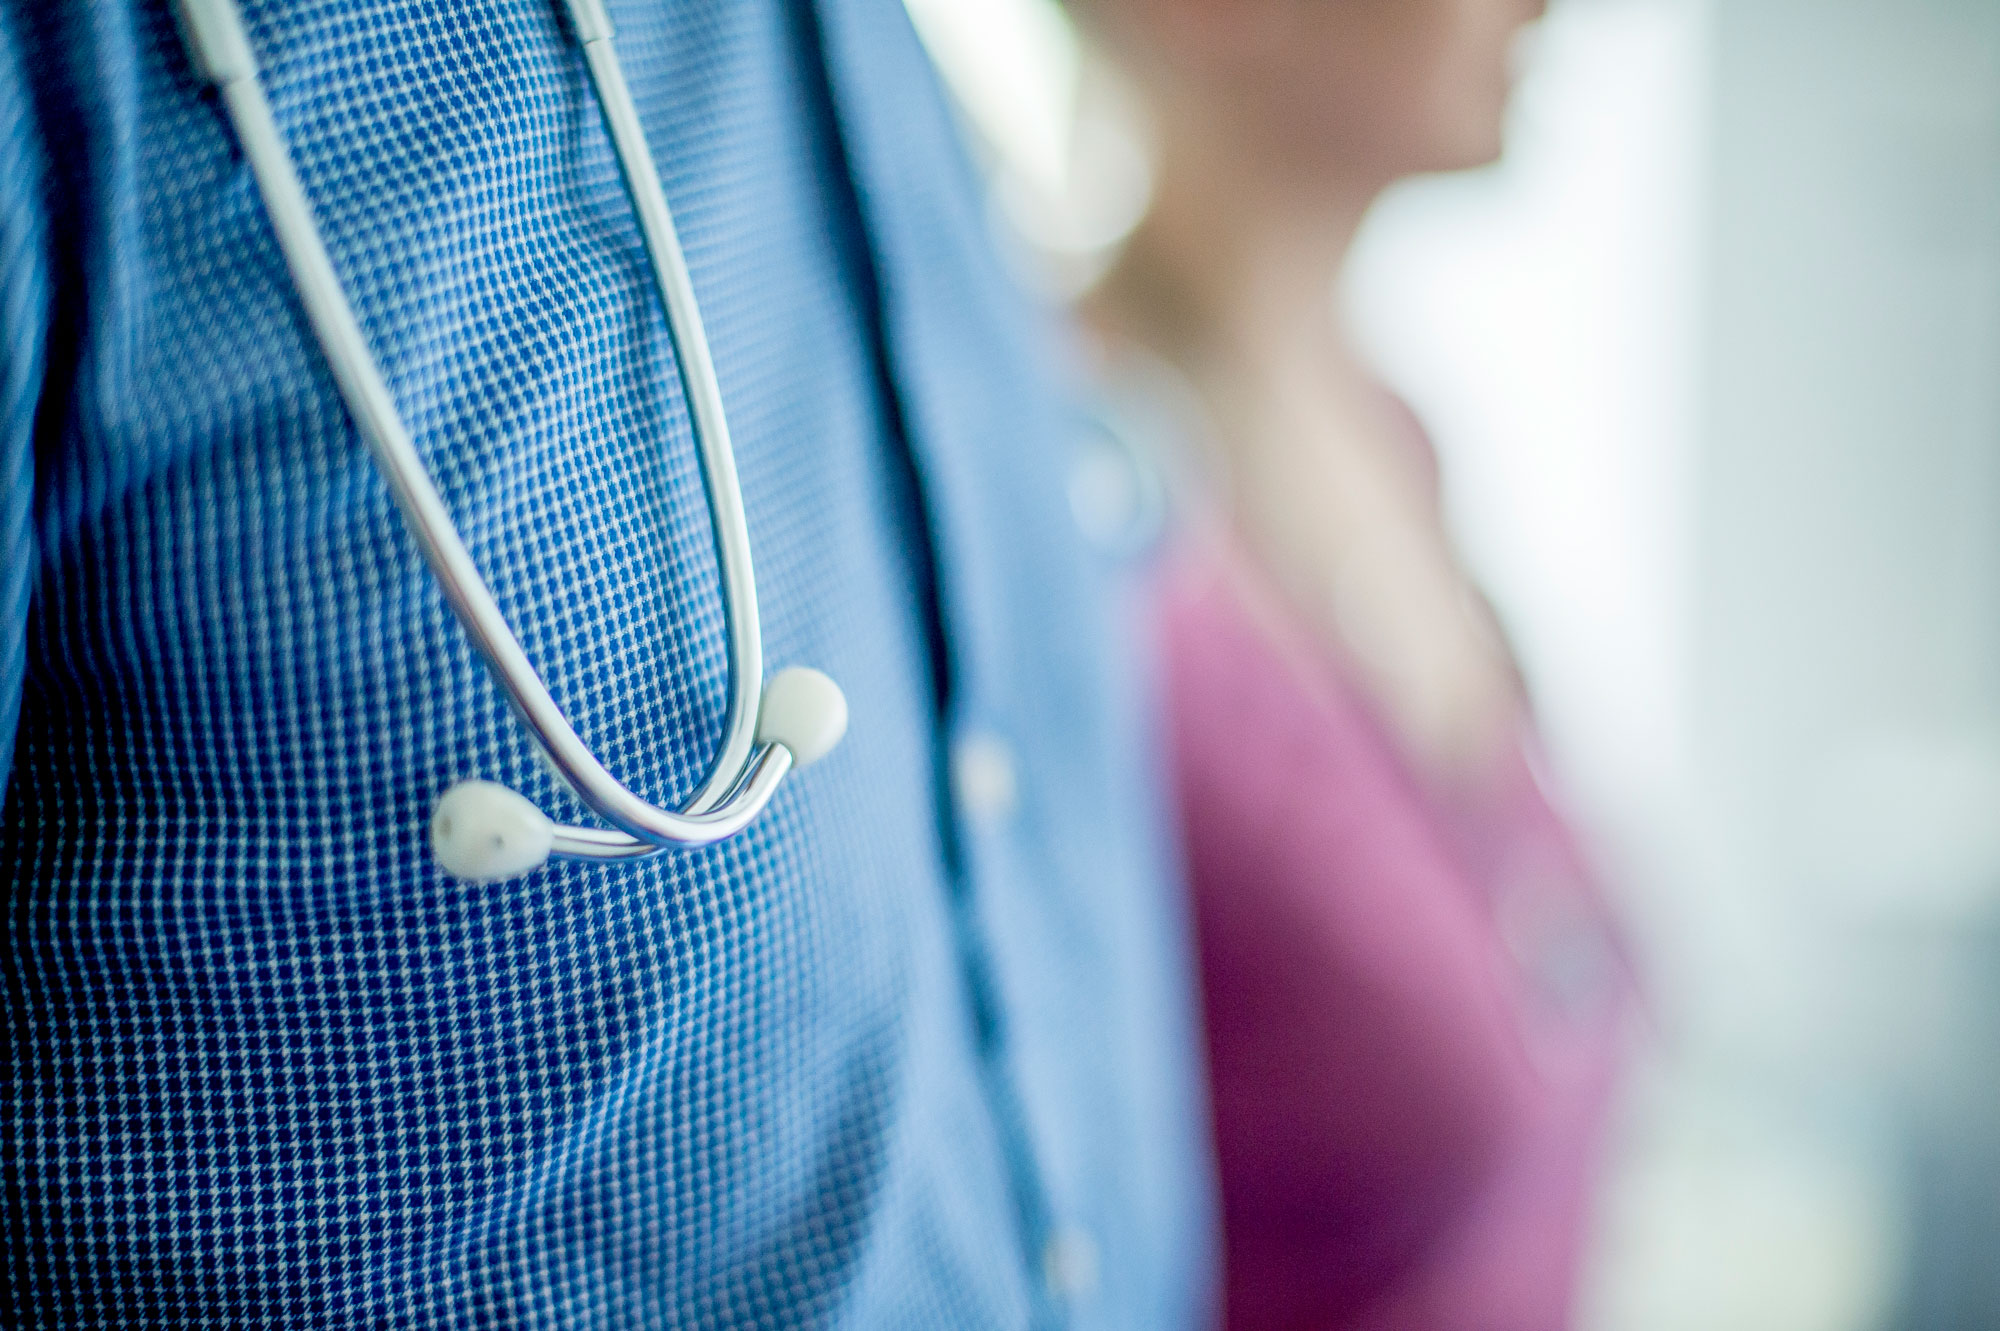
{"points": [[803, 710], [482, 832]]}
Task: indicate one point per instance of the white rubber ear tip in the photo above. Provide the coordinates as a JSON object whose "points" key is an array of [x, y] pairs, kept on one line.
{"points": [[482, 833], [804, 711]]}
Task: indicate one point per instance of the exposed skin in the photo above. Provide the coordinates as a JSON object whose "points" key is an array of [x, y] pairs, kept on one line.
{"points": [[1279, 123]]}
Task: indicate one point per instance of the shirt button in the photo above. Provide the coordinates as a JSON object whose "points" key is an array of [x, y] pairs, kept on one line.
{"points": [[1069, 1264], [983, 778], [1114, 496]]}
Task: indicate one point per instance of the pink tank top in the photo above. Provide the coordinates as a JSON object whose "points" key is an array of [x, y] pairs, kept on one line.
{"points": [[1415, 1004]]}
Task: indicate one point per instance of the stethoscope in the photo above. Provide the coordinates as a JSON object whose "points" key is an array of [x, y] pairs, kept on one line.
{"points": [[482, 831]]}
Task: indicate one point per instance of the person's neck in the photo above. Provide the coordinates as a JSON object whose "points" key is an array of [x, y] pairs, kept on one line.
{"points": [[1240, 279]]}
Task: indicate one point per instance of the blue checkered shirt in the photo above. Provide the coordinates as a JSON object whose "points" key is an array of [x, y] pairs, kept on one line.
{"points": [[912, 1052]]}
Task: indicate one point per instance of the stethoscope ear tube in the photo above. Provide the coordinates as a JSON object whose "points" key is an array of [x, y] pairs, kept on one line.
{"points": [[481, 831]]}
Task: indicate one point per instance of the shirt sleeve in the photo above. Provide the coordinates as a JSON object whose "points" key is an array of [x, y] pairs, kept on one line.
{"points": [[24, 288]]}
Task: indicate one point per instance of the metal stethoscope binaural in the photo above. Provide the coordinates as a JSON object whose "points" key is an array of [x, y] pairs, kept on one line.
{"points": [[481, 831]]}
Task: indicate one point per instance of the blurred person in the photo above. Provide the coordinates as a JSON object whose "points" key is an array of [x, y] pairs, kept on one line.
{"points": [[903, 1051], [1415, 998]]}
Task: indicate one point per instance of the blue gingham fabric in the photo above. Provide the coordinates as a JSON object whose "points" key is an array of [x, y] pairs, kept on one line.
{"points": [[888, 1060]]}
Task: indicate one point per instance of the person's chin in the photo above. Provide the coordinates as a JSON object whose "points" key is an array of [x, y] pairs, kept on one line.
{"points": [[1461, 157], [1474, 147]]}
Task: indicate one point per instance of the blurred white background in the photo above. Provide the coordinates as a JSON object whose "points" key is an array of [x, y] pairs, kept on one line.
{"points": [[1713, 360]]}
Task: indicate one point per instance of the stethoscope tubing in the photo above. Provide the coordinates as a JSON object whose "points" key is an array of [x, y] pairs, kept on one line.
{"points": [[739, 782]]}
